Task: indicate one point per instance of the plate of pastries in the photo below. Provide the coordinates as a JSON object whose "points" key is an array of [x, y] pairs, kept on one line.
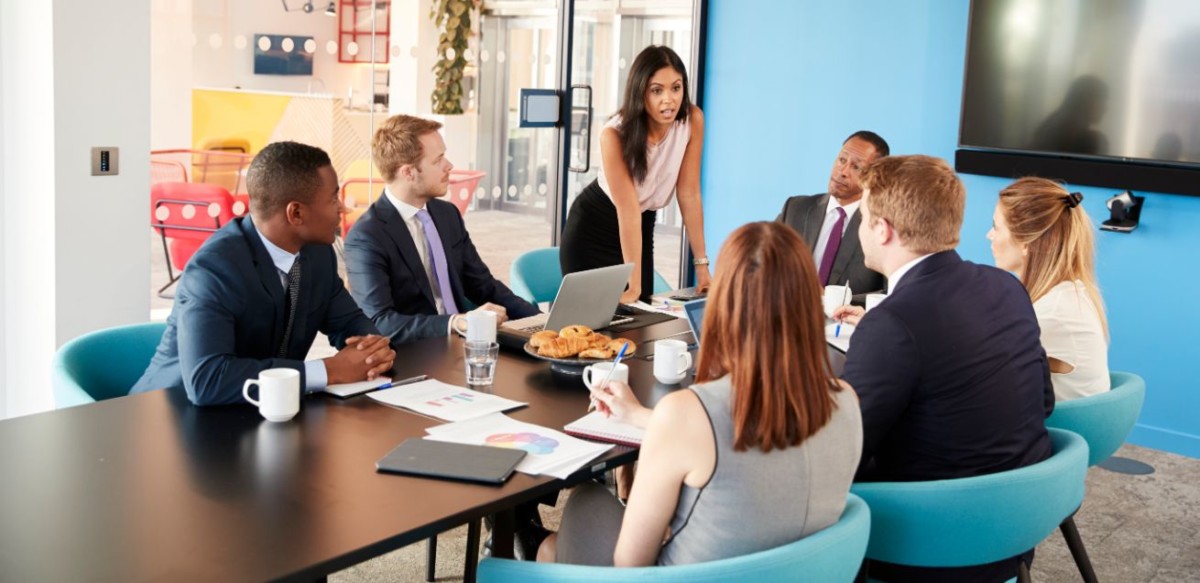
{"points": [[576, 345]]}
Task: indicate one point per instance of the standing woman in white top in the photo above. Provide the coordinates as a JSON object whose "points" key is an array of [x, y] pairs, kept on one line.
{"points": [[649, 150], [1040, 233]]}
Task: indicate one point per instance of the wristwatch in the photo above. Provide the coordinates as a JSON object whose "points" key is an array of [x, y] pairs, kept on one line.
{"points": [[700, 261]]}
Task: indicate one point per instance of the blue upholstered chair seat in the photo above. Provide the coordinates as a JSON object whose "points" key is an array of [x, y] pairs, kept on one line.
{"points": [[103, 364]]}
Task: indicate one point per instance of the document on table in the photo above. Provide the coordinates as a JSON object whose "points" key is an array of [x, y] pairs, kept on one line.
{"points": [[549, 452], [444, 401], [840, 341]]}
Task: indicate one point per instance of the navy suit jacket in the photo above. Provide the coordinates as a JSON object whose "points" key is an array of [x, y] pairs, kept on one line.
{"points": [[388, 279], [953, 382], [806, 214], [228, 319]]}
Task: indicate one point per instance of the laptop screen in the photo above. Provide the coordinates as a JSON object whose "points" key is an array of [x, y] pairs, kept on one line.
{"points": [[695, 316]]}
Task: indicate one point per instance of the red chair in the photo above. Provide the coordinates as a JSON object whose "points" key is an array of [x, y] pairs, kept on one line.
{"points": [[185, 214]]}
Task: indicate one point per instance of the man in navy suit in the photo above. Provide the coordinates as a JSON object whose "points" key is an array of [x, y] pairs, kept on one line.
{"points": [[949, 369], [258, 291], [410, 260]]}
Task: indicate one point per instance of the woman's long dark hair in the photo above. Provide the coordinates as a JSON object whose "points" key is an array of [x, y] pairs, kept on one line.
{"points": [[634, 125]]}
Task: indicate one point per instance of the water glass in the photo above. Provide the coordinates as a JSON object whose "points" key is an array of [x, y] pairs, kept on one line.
{"points": [[480, 360]]}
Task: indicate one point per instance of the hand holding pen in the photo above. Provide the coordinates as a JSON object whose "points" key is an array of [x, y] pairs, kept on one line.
{"points": [[608, 377]]}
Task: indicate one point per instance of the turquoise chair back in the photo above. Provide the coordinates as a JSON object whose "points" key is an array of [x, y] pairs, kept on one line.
{"points": [[830, 555], [535, 276], [103, 364], [977, 520], [1103, 420]]}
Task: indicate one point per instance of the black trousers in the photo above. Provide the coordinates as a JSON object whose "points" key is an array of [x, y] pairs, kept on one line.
{"points": [[592, 237]]}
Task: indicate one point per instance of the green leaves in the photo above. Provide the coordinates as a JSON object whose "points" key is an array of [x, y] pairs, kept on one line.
{"points": [[454, 18]]}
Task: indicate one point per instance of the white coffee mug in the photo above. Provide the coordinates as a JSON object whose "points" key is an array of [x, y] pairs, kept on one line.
{"points": [[874, 299], [594, 374], [671, 361], [278, 393], [481, 326], [835, 297]]}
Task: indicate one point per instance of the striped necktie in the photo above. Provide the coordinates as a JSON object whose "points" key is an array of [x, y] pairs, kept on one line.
{"points": [[289, 305]]}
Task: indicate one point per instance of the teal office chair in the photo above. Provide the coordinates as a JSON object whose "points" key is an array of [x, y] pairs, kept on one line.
{"points": [[1104, 421], [535, 276], [833, 554], [977, 520], [103, 364]]}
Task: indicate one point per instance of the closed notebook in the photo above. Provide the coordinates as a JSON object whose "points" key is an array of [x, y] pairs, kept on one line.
{"points": [[596, 426], [451, 461]]}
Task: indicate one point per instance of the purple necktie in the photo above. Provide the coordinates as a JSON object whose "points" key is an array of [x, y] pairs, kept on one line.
{"points": [[433, 244], [832, 245]]}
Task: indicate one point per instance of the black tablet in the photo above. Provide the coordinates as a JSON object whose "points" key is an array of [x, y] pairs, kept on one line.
{"points": [[451, 461]]}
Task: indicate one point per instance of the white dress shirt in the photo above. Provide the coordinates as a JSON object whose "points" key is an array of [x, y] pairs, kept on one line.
{"points": [[315, 375], [409, 212], [827, 226]]}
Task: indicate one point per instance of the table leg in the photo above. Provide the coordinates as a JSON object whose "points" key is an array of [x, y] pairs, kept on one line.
{"points": [[431, 559], [502, 533], [471, 560]]}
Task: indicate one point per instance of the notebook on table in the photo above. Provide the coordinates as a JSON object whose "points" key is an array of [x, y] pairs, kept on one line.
{"points": [[451, 461], [596, 426]]}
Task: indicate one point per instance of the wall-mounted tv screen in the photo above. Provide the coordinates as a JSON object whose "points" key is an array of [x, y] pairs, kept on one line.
{"points": [[276, 54], [1109, 81]]}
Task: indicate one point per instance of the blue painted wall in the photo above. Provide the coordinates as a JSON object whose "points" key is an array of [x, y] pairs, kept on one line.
{"points": [[786, 82]]}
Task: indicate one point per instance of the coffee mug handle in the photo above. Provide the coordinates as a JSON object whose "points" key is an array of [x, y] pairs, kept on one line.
{"points": [[246, 390], [587, 376], [687, 362]]}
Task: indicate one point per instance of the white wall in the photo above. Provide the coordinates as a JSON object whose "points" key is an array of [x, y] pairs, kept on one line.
{"points": [[171, 73], [230, 67], [75, 247], [3, 245]]}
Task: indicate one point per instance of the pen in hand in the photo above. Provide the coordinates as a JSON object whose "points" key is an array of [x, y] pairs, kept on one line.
{"points": [[837, 330], [620, 355]]}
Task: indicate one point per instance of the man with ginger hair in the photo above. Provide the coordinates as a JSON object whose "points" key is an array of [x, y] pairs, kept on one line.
{"points": [[411, 263], [949, 368]]}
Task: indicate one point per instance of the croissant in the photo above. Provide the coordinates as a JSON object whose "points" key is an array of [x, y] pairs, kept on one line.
{"points": [[576, 331], [542, 337], [562, 347], [600, 353], [598, 340], [616, 343]]}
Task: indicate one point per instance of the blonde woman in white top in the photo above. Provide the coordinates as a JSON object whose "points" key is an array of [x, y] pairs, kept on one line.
{"points": [[650, 151], [1040, 233]]}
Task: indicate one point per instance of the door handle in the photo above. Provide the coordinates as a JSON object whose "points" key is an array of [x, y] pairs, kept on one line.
{"points": [[581, 124]]}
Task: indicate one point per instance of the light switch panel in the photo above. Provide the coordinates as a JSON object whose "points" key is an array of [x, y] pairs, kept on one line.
{"points": [[105, 161]]}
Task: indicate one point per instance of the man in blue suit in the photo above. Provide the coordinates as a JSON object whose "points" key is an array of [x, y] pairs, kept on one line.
{"points": [[411, 263], [258, 291], [949, 369]]}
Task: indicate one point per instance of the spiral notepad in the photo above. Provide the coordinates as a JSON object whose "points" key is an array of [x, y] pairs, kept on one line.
{"points": [[596, 426]]}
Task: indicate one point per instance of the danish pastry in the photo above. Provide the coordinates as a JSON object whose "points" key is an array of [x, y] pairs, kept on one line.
{"points": [[600, 353], [575, 331], [562, 347], [540, 338], [616, 343]]}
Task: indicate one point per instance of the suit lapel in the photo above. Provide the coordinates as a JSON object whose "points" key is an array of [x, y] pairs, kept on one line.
{"points": [[849, 246], [813, 221], [395, 227], [268, 275]]}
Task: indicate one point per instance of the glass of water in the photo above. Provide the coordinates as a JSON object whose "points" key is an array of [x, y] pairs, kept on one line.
{"points": [[481, 362]]}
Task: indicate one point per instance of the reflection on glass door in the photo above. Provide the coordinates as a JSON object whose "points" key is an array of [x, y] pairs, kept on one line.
{"points": [[607, 38]]}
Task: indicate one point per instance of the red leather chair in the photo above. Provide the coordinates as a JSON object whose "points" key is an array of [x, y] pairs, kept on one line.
{"points": [[185, 214]]}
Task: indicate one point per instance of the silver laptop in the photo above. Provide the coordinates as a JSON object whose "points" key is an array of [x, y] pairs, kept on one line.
{"points": [[587, 298]]}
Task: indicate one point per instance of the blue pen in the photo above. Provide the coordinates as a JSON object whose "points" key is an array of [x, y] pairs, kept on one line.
{"points": [[620, 355], [406, 381], [837, 330]]}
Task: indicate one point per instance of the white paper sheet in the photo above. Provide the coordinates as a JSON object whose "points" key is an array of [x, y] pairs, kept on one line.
{"points": [[840, 341], [444, 401], [549, 452]]}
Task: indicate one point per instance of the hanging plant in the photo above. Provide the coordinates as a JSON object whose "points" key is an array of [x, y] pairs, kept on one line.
{"points": [[453, 18]]}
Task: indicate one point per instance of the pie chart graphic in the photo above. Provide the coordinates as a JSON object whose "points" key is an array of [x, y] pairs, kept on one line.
{"points": [[530, 442]]}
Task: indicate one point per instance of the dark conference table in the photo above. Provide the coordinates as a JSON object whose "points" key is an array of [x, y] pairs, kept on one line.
{"points": [[148, 487]]}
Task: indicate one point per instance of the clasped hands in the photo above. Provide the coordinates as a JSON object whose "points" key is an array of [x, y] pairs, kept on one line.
{"points": [[363, 358]]}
